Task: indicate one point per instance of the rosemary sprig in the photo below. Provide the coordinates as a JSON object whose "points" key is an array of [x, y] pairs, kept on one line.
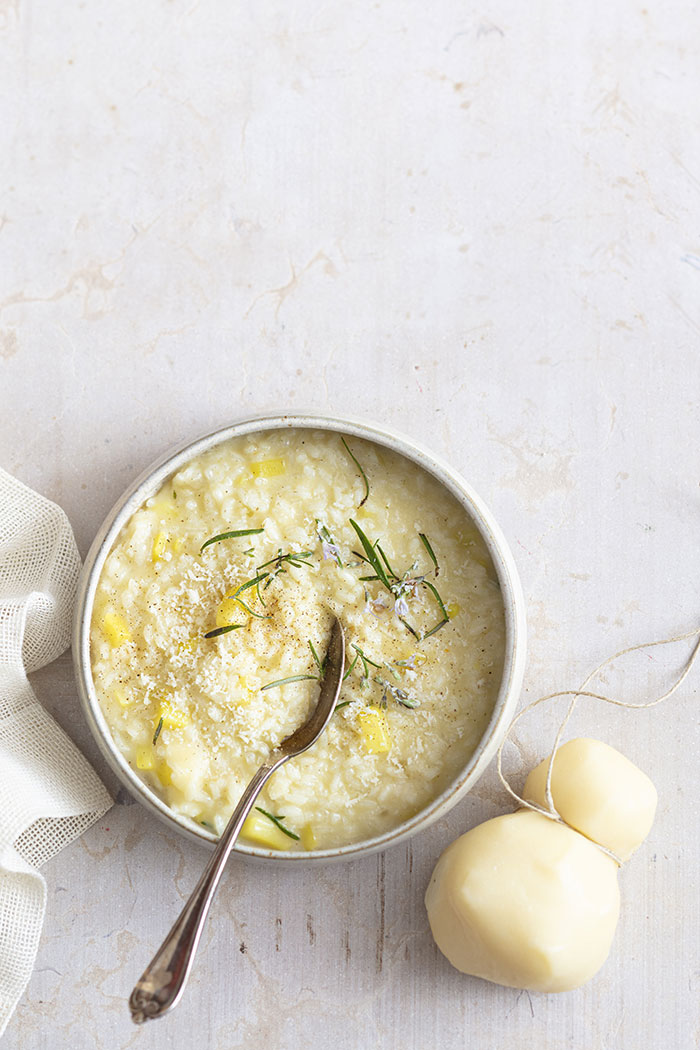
{"points": [[297, 558], [278, 822], [223, 630], [158, 729], [293, 557], [349, 672], [229, 536], [371, 555], [386, 561], [357, 464], [436, 628], [426, 543], [286, 681], [366, 663], [404, 586], [344, 704], [438, 599], [255, 582], [400, 695], [320, 664], [412, 630]]}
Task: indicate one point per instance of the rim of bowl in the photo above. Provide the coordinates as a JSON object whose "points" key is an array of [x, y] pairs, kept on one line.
{"points": [[148, 483]]}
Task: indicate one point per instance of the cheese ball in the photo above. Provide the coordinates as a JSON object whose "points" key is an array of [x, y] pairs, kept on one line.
{"points": [[599, 792], [528, 902], [525, 902]]}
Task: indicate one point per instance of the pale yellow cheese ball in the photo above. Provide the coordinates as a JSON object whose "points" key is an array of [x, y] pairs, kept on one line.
{"points": [[527, 902], [599, 792]]}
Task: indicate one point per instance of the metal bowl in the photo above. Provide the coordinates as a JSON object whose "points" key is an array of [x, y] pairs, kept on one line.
{"points": [[148, 484]]}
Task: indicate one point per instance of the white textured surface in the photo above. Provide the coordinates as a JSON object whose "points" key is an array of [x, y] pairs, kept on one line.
{"points": [[478, 224]]}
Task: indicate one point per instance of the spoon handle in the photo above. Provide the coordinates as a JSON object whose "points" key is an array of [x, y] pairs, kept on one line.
{"points": [[163, 981]]}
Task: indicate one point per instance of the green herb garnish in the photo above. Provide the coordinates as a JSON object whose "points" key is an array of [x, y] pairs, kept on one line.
{"points": [[436, 628], [371, 555], [278, 822], [426, 543], [223, 630], [229, 536], [357, 464], [400, 587], [344, 704], [296, 558], [438, 599], [255, 582], [158, 729], [366, 663], [349, 670], [315, 655], [400, 695], [286, 681]]}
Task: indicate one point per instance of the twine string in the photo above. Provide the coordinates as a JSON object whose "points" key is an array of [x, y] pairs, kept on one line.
{"points": [[549, 810]]}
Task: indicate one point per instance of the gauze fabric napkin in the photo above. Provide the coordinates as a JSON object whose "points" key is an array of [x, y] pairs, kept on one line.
{"points": [[49, 794]]}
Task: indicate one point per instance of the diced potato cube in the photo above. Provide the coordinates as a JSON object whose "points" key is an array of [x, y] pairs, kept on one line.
{"points": [[308, 837], [260, 830], [267, 468], [453, 609], [164, 774], [122, 697], [173, 717], [116, 629], [144, 758], [375, 731], [160, 546], [228, 612]]}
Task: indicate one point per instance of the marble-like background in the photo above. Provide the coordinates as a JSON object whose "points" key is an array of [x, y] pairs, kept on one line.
{"points": [[476, 223]]}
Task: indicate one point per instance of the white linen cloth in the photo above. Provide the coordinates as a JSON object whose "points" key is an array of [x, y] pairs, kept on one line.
{"points": [[48, 793]]}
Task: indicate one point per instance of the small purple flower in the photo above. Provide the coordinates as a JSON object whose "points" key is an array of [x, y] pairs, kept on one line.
{"points": [[330, 550], [401, 606]]}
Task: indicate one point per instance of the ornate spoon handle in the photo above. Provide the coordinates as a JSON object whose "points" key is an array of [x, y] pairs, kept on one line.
{"points": [[163, 981]]}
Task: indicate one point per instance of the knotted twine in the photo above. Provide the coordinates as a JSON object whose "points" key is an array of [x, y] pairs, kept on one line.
{"points": [[549, 810]]}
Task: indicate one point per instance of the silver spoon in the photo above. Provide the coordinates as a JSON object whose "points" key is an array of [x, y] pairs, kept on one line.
{"points": [[163, 981]]}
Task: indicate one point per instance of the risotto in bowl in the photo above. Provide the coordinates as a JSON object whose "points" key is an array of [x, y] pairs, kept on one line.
{"points": [[203, 617]]}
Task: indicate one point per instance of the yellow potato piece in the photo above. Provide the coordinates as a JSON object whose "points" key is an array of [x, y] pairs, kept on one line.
{"points": [[259, 830], [375, 731], [144, 758], [122, 697], [173, 717], [308, 837], [228, 612], [116, 629], [160, 546], [267, 468], [164, 774]]}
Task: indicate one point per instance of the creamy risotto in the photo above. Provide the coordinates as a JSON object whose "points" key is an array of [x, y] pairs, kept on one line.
{"points": [[212, 615]]}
